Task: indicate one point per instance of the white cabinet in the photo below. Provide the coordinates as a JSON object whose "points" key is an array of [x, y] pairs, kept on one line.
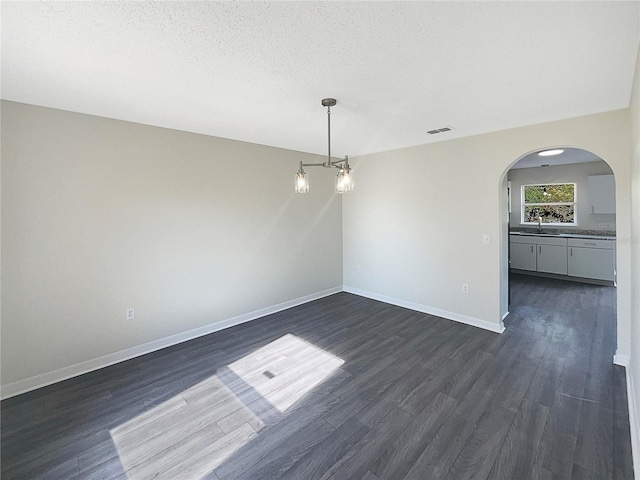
{"points": [[575, 257], [538, 254], [523, 256], [592, 259], [602, 193], [552, 259]]}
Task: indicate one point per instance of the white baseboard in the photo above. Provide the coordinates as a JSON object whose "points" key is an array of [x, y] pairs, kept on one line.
{"points": [[476, 322], [38, 381], [622, 360], [634, 422]]}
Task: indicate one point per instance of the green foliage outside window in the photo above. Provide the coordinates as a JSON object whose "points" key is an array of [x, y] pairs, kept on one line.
{"points": [[549, 193], [550, 204]]}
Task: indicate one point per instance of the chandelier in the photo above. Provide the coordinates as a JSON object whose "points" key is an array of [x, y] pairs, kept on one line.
{"points": [[344, 180]]}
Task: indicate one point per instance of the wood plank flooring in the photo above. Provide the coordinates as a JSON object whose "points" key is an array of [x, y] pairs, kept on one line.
{"points": [[348, 388]]}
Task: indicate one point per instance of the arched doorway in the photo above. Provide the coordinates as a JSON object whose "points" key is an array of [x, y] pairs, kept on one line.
{"points": [[567, 199]]}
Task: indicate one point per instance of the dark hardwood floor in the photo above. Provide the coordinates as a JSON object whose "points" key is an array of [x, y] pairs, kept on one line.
{"points": [[348, 388]]}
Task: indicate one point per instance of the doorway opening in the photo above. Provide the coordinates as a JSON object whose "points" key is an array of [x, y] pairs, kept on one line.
{"points": [[558, 219]]}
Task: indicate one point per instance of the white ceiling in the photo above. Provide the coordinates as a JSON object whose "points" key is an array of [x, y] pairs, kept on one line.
{"points": [[256, 71], [568, 156]]}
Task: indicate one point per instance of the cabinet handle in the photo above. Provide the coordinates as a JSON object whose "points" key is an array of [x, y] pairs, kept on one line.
{"points": [[531, 248], [590, 243], [539, 249], [593, 208], [571, 252]]}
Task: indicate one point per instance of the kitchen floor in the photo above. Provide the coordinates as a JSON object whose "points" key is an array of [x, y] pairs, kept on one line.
{"points": [[348, 388]]}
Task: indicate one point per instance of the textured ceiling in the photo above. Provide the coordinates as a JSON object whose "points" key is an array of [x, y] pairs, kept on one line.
{"points": [[256, 71]]}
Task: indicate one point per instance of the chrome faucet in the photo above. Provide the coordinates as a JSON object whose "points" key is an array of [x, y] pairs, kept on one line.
{"points": [[539, 224]]}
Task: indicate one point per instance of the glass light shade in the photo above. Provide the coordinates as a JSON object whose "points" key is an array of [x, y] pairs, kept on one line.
{"points": [[302, 183], [344, 181], [551, 153]]}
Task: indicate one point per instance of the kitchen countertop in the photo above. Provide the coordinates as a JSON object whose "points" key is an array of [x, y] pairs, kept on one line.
{"points": [[565, 235]]}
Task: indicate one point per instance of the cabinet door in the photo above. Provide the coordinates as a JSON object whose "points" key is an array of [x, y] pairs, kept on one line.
{"points": [[592, 263], [552, 259], [602, 193], [523, 256]]}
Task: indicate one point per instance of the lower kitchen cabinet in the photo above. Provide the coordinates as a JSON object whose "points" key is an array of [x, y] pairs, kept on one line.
{"points": [[574, 257], [596, 259], [552, 259], [523, 256], [538, 254]]}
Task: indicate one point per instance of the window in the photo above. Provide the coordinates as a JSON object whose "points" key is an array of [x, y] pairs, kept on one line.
{"points": [[553, 203]]}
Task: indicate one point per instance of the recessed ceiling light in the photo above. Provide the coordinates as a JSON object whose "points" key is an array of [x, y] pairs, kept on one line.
{"points": [[550, 153]]}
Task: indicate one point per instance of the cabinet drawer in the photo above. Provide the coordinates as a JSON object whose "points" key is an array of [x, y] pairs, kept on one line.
{"points": [[585, 242], [561, 242], [537, 240], [522, 239]]}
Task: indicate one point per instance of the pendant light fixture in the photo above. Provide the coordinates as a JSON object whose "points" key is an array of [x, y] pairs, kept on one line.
{"points": [[302, 181], [344, 180]]}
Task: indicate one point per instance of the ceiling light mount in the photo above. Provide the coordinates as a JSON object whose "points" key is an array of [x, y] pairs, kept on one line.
{"points": [[329, 102], [344, 181]]}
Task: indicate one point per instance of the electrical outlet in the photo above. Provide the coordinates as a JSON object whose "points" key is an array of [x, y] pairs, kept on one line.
{"points": [[131, 314], [465, 288]]}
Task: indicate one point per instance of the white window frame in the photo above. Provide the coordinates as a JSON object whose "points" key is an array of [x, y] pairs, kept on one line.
{"points": [[544, 204]]}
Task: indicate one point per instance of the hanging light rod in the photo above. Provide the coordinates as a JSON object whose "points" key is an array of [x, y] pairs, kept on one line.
{"points": [[344, 180]]}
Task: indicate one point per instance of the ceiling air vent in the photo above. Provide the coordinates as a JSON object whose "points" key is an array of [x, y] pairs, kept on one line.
{"points": [[440, 130]]}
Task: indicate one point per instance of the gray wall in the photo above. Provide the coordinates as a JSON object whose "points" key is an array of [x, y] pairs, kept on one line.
{"points": [[99, 215]]}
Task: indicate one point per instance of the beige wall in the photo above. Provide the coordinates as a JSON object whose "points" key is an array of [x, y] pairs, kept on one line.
{"points": [[577, 173], [413, 230], [634, 365], [99, 215]]}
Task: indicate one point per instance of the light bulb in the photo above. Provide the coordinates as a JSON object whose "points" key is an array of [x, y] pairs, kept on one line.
{"points": [[344, 181], [302, 183]]}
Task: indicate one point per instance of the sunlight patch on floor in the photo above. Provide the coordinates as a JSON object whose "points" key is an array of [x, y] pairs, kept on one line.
{"points": [[195, 431], [299, 368]]}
